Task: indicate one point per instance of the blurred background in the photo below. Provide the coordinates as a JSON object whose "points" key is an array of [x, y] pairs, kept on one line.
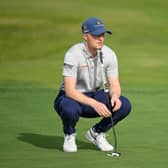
{"points": [[34, 35]]}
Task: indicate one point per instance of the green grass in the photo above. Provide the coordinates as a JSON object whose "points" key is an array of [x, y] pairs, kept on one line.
{"points": [[34, 35]]}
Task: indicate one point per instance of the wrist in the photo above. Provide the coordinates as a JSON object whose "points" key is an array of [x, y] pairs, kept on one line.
{"points": [[92, 102], [114, 96]]}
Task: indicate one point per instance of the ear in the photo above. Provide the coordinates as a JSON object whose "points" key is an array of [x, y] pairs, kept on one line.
{"points": [[84, 36]]}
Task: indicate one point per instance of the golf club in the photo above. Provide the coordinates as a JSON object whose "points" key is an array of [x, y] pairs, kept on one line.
{"points": [[106, 90]]}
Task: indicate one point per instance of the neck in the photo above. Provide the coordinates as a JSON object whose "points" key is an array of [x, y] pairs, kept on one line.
{"points": [[92, 51]]}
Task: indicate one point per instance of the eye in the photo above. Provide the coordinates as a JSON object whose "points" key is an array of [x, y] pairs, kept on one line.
{"points": [[101, 35]]}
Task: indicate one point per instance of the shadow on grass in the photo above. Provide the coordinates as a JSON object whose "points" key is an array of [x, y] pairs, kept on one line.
{"points": [[51, 142]]}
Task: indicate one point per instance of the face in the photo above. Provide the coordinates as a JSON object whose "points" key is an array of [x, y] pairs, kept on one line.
{"points": [[93, 41]]}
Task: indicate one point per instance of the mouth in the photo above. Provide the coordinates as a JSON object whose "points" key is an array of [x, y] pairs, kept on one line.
{"points": [[100, 43]]}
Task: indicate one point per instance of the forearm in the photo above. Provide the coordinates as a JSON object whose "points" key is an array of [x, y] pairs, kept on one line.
{"points": [[115, 91], [72, 92], [114, 87], [80, 97]]}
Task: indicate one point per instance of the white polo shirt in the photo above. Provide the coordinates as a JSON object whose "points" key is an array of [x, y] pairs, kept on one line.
{"points": [[86, 69]]}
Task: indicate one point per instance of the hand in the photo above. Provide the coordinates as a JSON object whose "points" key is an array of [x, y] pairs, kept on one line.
{"points": [[101, 109], [116, 103]]}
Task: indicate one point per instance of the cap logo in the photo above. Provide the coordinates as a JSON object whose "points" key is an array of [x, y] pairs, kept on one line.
{"points": [[99, 22]]}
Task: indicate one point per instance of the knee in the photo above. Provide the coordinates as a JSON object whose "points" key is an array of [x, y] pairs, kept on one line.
{"points": [[70, 109], [126, 105]]}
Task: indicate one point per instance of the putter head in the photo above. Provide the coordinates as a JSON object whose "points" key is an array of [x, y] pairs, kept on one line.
{"points": [[114, 154]]}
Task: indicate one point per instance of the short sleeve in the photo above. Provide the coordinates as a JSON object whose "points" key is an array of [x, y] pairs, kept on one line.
{"points": [[70, 65], [111, 64]]}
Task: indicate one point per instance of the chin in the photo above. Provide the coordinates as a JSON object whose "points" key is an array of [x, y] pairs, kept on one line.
{"points": [[99, 47]]}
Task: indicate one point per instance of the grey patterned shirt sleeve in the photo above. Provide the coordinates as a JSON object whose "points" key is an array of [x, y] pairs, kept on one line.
{"points": [[70, 65]]}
